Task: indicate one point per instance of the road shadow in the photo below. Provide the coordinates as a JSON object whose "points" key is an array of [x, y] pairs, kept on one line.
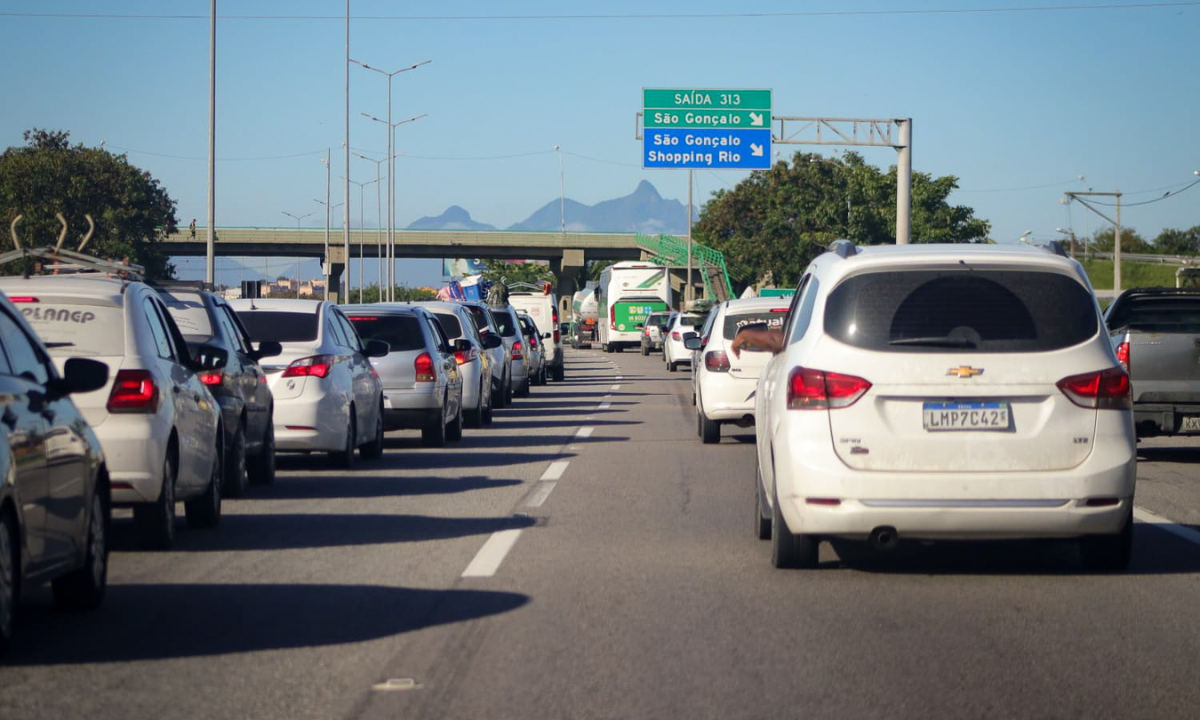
{"points": [[162, 622], [255, 532], [316, 487], [537, 424], [1169, 454], [1155, 552]]}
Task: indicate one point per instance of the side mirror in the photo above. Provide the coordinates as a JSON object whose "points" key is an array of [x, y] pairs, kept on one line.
{"points": [[266, 349], [462, 345], [692, 343], [211, 357], [690, 334], [546, 336], [491, 342], [80, 375], [377, 348]]}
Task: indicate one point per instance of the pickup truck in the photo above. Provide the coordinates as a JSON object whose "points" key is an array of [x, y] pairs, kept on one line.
{"points": [[1155, 333]]}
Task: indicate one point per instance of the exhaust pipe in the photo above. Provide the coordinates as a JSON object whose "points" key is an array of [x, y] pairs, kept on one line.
{"points": [[884, 537]]}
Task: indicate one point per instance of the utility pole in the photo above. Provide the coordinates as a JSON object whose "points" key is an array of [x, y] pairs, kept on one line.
{"points": [[1078, 197], [689, 294], [210, 252]]}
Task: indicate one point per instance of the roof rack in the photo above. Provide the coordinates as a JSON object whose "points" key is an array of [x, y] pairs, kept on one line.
{"points": [[182, 285], [69, 260], [843, 248]]}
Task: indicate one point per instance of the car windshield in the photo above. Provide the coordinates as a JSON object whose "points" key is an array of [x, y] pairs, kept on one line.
{"points": [[74, 329], [690, 321], [400, 332], [506, 322], [737, 321], [966, 310], [280, 326]]}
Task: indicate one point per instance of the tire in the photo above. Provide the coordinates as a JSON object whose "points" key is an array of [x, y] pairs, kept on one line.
{"points": [[508, 392], [487, 411], [789, 550], [8, 578], [262, 467], [523, 390], [155, 522], [455, 430], [645, 350], [670, 367], [84, 588], [762, 514], [235, 465], [373, 450], [1109, 553], [344, 458], [559, 373], [434, 433], [710, 430], [204, 512], [474, 417]]}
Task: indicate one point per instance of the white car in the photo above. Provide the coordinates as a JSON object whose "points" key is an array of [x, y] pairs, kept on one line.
{"points": [[542, 308], [157, 422], [724, 382], [327, 396], [944, 392], [674, 352]]}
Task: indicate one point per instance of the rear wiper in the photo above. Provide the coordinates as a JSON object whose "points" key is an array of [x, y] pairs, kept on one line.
{"points": [[950, 342], [53, 345]]}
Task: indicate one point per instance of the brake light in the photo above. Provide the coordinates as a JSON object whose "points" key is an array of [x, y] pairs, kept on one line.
{"points": [[516, 350], [1101, 390], [359, 318], [675, 335], [556, 334], [313, 366], [646, 332], [532, 341], [424, 367], [212, 377], [779, 310], [1123, 355], [612, 317], [716, 361], [462, 358], [23, 299], [819, 390], [133, 391]]}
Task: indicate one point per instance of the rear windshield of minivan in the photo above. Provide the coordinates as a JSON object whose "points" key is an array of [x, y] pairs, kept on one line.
{"points": [[961, 310], [279, 326], [401, 332], [81, 329], [737, 321], [1157, 313]]}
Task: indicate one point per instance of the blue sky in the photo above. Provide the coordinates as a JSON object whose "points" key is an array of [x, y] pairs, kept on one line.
{"points": [[1017, 100]]}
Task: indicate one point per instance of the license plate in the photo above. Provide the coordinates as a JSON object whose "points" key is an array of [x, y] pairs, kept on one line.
{"points": [[1191, 423], [948, 416]]}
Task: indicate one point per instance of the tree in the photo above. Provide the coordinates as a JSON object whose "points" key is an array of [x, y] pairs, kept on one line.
{"points": [[776, 221], [1175, 242], [510, 272], [1131, 242], [131, 210]]}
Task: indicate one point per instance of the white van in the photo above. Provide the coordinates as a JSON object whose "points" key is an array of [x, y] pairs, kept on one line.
{"points": [[542, 308]]}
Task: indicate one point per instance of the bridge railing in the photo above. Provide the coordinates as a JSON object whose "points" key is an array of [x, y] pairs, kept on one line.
{"points": [[671, 250]]}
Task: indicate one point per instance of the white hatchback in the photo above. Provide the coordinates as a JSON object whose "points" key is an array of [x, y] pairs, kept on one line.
{"points": [[944, 392], [724, 381], [680, 324], [327, 395]]}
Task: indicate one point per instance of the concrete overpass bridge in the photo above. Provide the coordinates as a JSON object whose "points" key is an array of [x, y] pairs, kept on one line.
{"points": [[567, 252]]}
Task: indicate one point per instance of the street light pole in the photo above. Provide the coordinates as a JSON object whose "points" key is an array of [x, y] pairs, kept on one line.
{"points": [[210, 244], [362, 186], [391, 249], [1078, 197], [297, 218], [378, 220], [325, 260], [562, 193]]}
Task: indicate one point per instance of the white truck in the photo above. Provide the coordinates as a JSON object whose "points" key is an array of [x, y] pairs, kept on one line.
{"points": [[628, 292], [542, 306]]}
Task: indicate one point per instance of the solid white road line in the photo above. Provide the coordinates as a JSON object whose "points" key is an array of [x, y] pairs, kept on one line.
{"points": [[584, 432], [556, 470], [604, 406], [487, 561], [1166, 525], [541, 491]]}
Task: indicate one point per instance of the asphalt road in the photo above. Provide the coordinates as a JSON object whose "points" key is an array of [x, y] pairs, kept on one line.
{"points": [[587, 557]]}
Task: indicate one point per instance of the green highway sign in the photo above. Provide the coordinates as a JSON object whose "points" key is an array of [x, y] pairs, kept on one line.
{"points": [[666, 99], [706, 118]]}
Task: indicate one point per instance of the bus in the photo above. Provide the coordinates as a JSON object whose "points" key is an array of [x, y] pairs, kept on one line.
{"points": [[627, 293]]}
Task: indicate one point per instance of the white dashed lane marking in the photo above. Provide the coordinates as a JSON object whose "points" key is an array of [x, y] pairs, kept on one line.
{"points": [[556, 470], [1166, 525], [541, 491], [584, 432], [489, 558]]}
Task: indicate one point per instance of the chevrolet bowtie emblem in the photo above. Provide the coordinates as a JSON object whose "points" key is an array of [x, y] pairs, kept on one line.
{"points": [[965, 371]]}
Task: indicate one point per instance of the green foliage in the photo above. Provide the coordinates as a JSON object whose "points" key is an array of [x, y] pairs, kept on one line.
{"points": [[1175, 242], [1131, 241], [132, 211], [776, 221], [1133, 274], [370, 294], [500, 271]]}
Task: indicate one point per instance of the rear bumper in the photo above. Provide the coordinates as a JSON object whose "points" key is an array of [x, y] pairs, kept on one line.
{"points": [[1164, 418], [723, 397], [134, 449], [412, 408], [311, 422]]}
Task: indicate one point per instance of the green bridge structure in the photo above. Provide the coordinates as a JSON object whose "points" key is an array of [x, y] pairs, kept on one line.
{"points": [[566, 252]]}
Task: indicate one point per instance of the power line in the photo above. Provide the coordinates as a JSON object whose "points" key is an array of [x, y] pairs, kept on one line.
{"points": [[1018, 189], [618, 16], [190, 157]]}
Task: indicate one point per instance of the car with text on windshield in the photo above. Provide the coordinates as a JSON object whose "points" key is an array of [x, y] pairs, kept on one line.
{"points": [[159, 425], [944, 392], [328, 398], [240, 388], [422, 383], [54, 486], [724, 381]]}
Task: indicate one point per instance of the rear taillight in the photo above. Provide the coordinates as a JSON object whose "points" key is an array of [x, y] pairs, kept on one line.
{"points": [[317, 366], [462, 357], [716, 361], [424, 367], [133, 391], [1101, 390], [612, 317], [819, 390], [675, 335], [532, 341], [646, 332], [212, 377], [1123, 355], [517, 348]]}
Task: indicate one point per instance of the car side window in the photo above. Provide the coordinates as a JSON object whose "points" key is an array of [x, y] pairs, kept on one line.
{"points": [[353, 341], [801, 310], [439, 336], [158, 330], [232, 329], [334, 328], [23, 357]]}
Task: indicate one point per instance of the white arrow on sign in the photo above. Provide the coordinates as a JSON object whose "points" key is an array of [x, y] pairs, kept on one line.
{"points": [[756, 118], [756, 150]]}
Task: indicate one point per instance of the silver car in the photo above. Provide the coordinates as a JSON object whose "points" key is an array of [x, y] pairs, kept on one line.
{"points": [[422, 385], [474, 363], [535, 350], [501, 358], [510, 332]]}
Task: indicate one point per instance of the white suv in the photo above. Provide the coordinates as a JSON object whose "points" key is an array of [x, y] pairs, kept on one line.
{"points": [[944, 392], [724, 382]]}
